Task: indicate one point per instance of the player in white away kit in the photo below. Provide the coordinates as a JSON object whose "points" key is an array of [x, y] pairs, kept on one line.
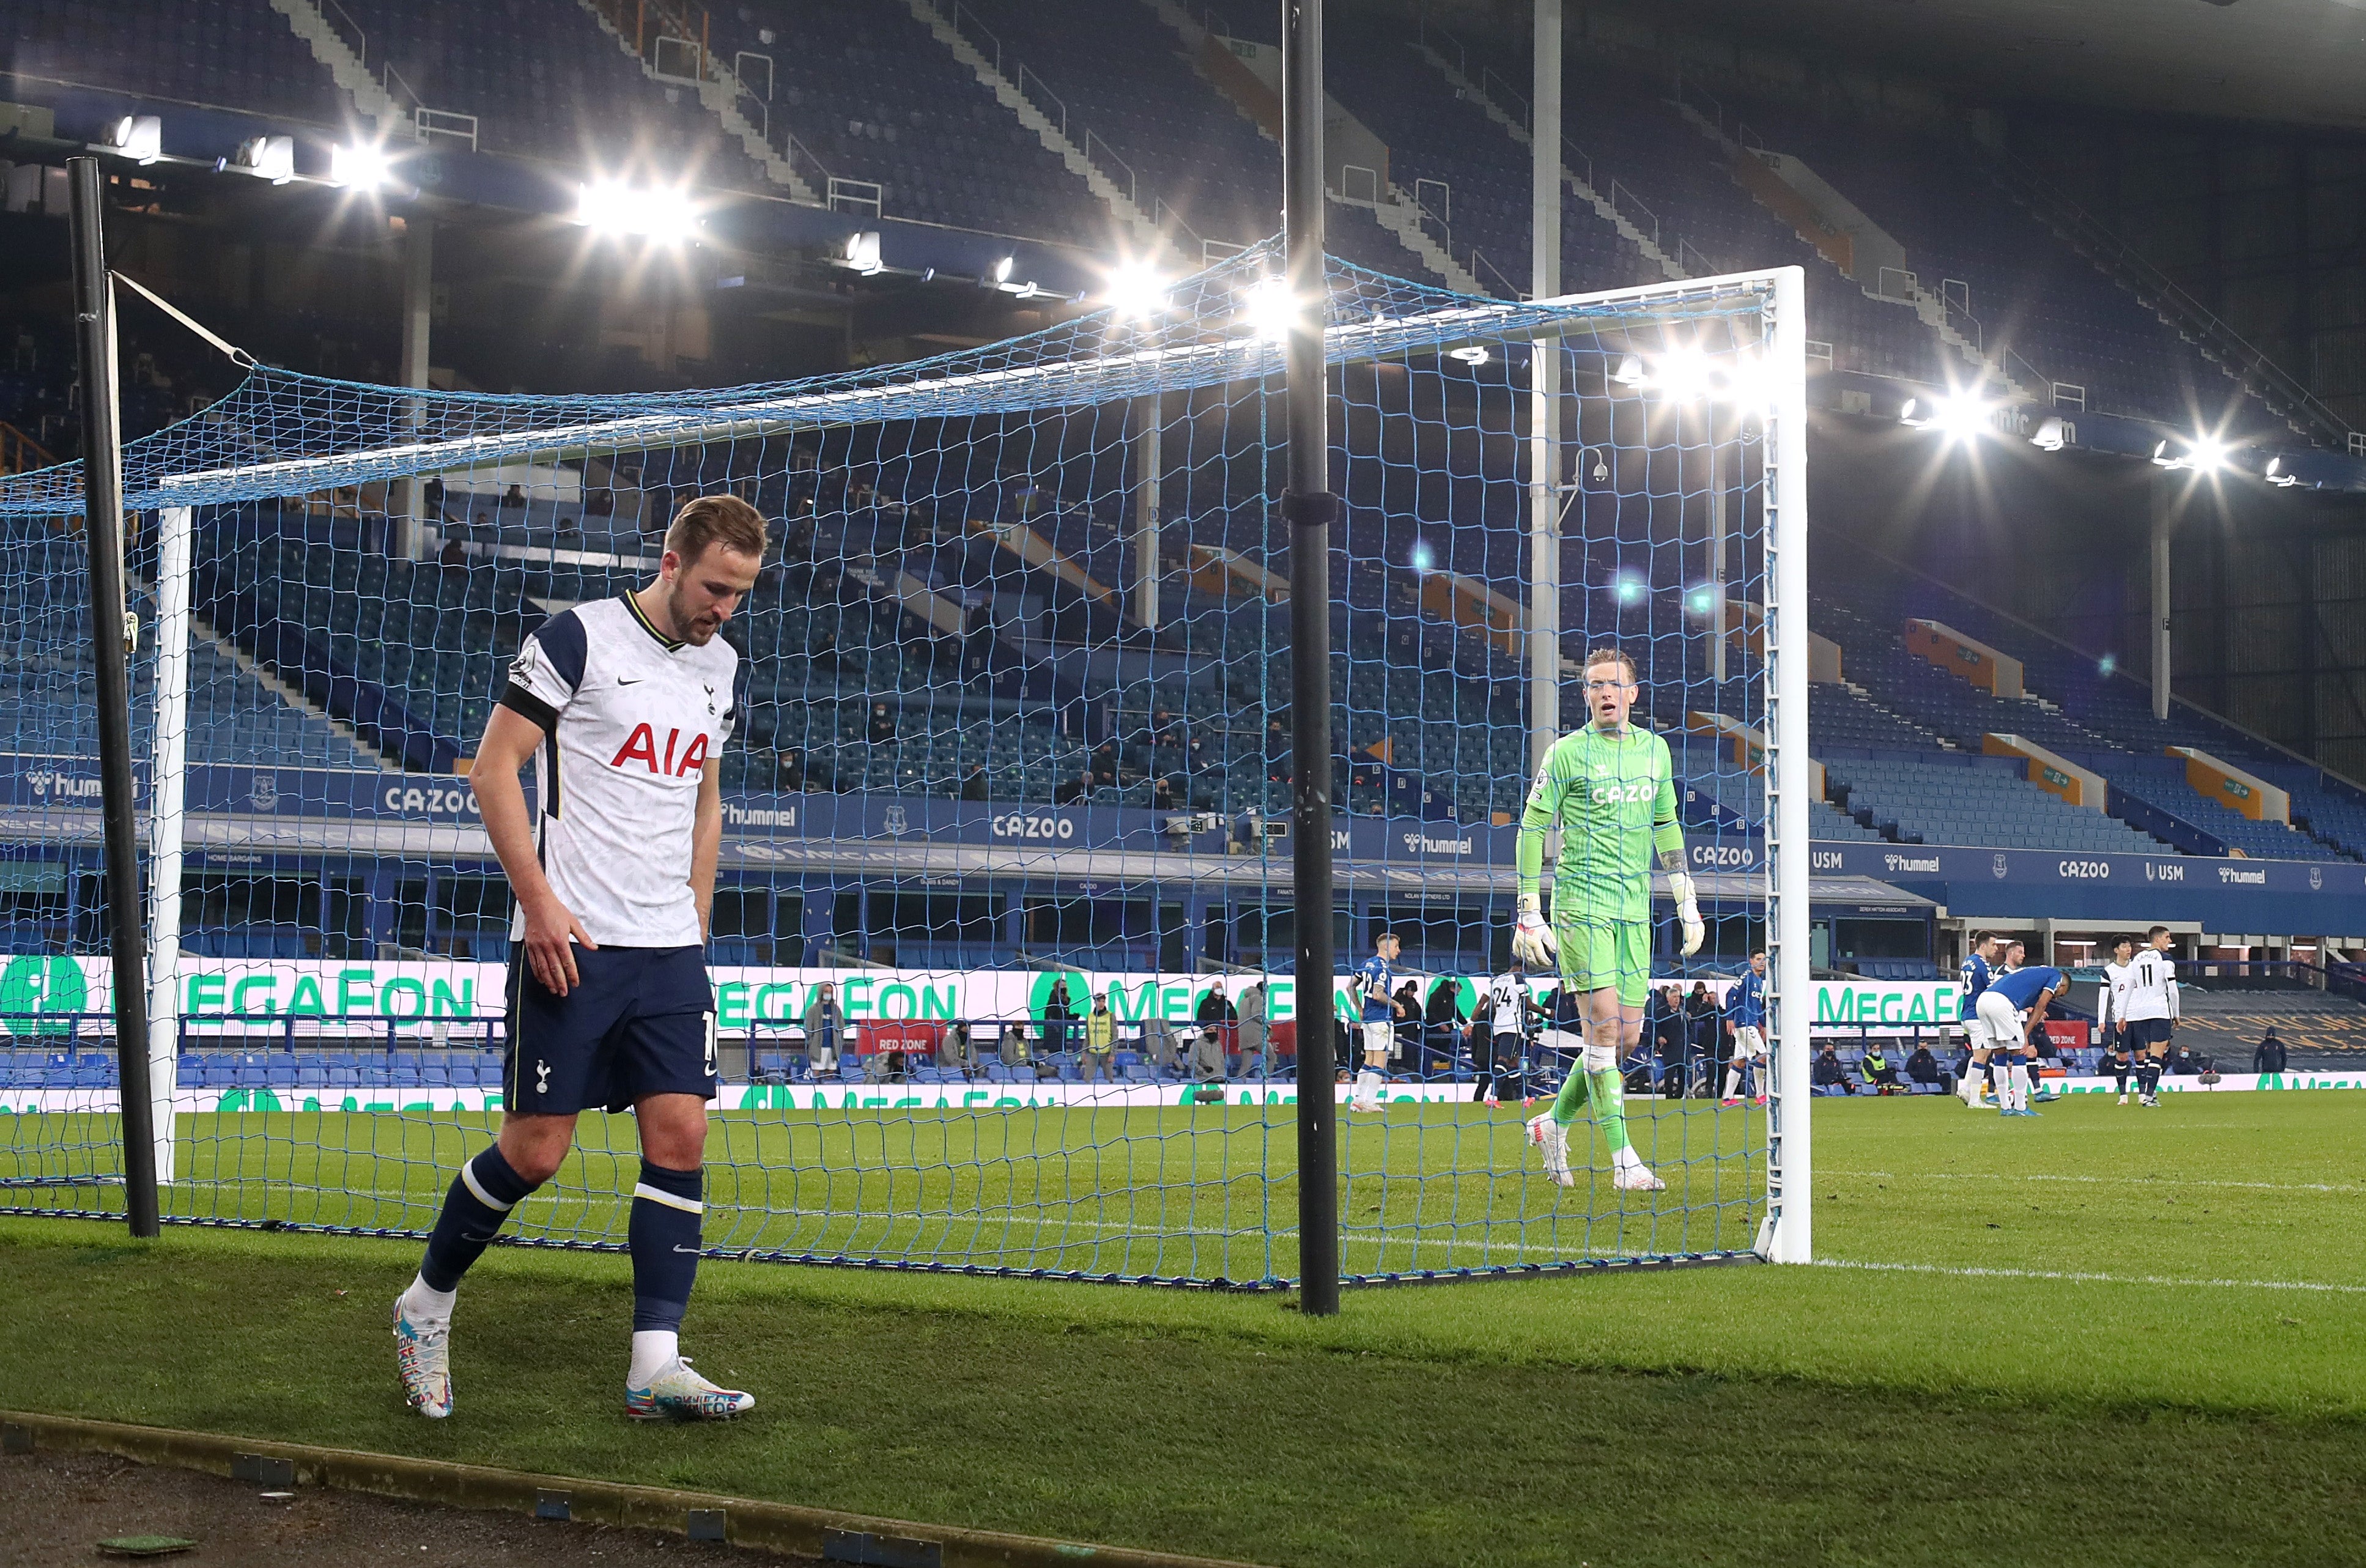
{"points": [[2110, 1027], [623, 704], [2150, 1013]]}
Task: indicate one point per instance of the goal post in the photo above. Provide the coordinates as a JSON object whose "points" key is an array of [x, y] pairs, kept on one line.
{"points": [[1063, 557]]}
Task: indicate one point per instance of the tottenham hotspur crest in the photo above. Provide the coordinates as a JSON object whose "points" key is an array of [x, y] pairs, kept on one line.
{"points": [[542, 1077]]}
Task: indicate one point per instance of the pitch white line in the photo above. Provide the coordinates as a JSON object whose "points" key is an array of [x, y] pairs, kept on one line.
{"points": [[2101, 1180], [1975, 1273]]}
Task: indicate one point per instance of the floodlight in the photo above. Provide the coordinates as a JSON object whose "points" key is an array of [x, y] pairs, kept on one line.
{"points": [[138, 136], [1912, 416], [1681, 375], [2202, 455], [2276, 476], [2106, 664], [1629, 589], [362, 168], [861, 251], [1137, 291], [2052, 435], [1959, 416], [269, 158], [1423, 559], [1630, 370], [1469, 353], [1746, 383], [1701, 598], [1270, 309], [653, 212]]}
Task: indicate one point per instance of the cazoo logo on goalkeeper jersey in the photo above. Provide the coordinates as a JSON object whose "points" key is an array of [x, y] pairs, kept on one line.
{"points": [[1626, 793]]}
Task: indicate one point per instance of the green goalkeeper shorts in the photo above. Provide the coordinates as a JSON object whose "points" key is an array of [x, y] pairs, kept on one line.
{"points": [[1596, 954]]}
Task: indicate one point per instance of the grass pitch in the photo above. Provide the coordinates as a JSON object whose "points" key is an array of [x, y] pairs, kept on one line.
{"points": [[2108, 1334]]}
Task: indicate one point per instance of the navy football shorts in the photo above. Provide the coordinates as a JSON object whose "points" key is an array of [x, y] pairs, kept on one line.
{"points": [[2142, 1033], [642, 1022]]}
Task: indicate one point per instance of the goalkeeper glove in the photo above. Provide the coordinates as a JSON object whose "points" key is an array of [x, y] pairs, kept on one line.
{"points": [[1533, 942], [1680, 887]]}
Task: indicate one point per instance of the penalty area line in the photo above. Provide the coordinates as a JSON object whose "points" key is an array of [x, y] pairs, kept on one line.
{"points": [[2080, 1277]]}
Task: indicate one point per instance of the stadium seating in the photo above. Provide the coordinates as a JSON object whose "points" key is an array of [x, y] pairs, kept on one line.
{"points": [[1970, 800], [48, 702], [875, 98], [236, 54], [2029, 290], [544, 82]]}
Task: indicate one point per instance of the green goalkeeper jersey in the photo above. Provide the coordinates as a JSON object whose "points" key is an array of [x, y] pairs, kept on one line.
{"points": [[1614, 798]]}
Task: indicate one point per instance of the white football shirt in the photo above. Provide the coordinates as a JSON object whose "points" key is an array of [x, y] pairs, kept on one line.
{"points": [[630, 718], [2112, 1001], [1508, 999], [2150, 989]]}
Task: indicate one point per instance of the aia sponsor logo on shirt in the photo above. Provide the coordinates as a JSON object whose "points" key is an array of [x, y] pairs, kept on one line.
{"points": [[642, 746]]}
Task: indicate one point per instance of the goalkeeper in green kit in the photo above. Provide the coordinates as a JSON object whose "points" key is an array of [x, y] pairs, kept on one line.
{"points": [[1610, 788]]}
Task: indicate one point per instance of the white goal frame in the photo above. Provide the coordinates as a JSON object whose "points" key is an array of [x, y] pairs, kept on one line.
{"points": [[1785, 1234]]}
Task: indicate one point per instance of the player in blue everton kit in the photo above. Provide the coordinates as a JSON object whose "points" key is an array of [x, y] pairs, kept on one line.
{"points": [[2004, 1004], [1376, 986], [1977, 974], [623, 706], [1745, 1017]]}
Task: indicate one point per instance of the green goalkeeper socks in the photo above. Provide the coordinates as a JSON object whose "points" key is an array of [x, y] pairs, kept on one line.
{"points": [[1571, 1098], [1608, 1093], [1610, 1107]]}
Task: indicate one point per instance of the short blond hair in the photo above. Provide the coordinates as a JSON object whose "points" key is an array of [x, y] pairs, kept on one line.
{"points": [[716, 519], [1607, 654]]}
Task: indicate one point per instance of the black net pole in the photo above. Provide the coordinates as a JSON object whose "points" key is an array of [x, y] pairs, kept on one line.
{"points": [[102, 479], [1309, 508]]}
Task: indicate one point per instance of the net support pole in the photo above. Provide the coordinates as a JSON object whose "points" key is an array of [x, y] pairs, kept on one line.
{"points": [[167, 817], [2164, 524], [1788, 1235], [1308, 509], [1716, 552], [418, 320], [1544, 419], [1147, 469], [102, 451]]}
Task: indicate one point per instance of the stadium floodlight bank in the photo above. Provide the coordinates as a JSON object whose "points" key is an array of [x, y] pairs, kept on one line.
{"points": [[995, 572]]}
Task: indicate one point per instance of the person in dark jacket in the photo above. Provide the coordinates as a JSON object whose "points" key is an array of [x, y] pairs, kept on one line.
{"points": [[1922, 1067], [1830, 1073], [2270, 1057], [1221, 1020]]}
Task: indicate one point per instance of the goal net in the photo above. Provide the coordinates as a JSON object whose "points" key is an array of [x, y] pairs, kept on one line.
{"points": [[1001, 953]]}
